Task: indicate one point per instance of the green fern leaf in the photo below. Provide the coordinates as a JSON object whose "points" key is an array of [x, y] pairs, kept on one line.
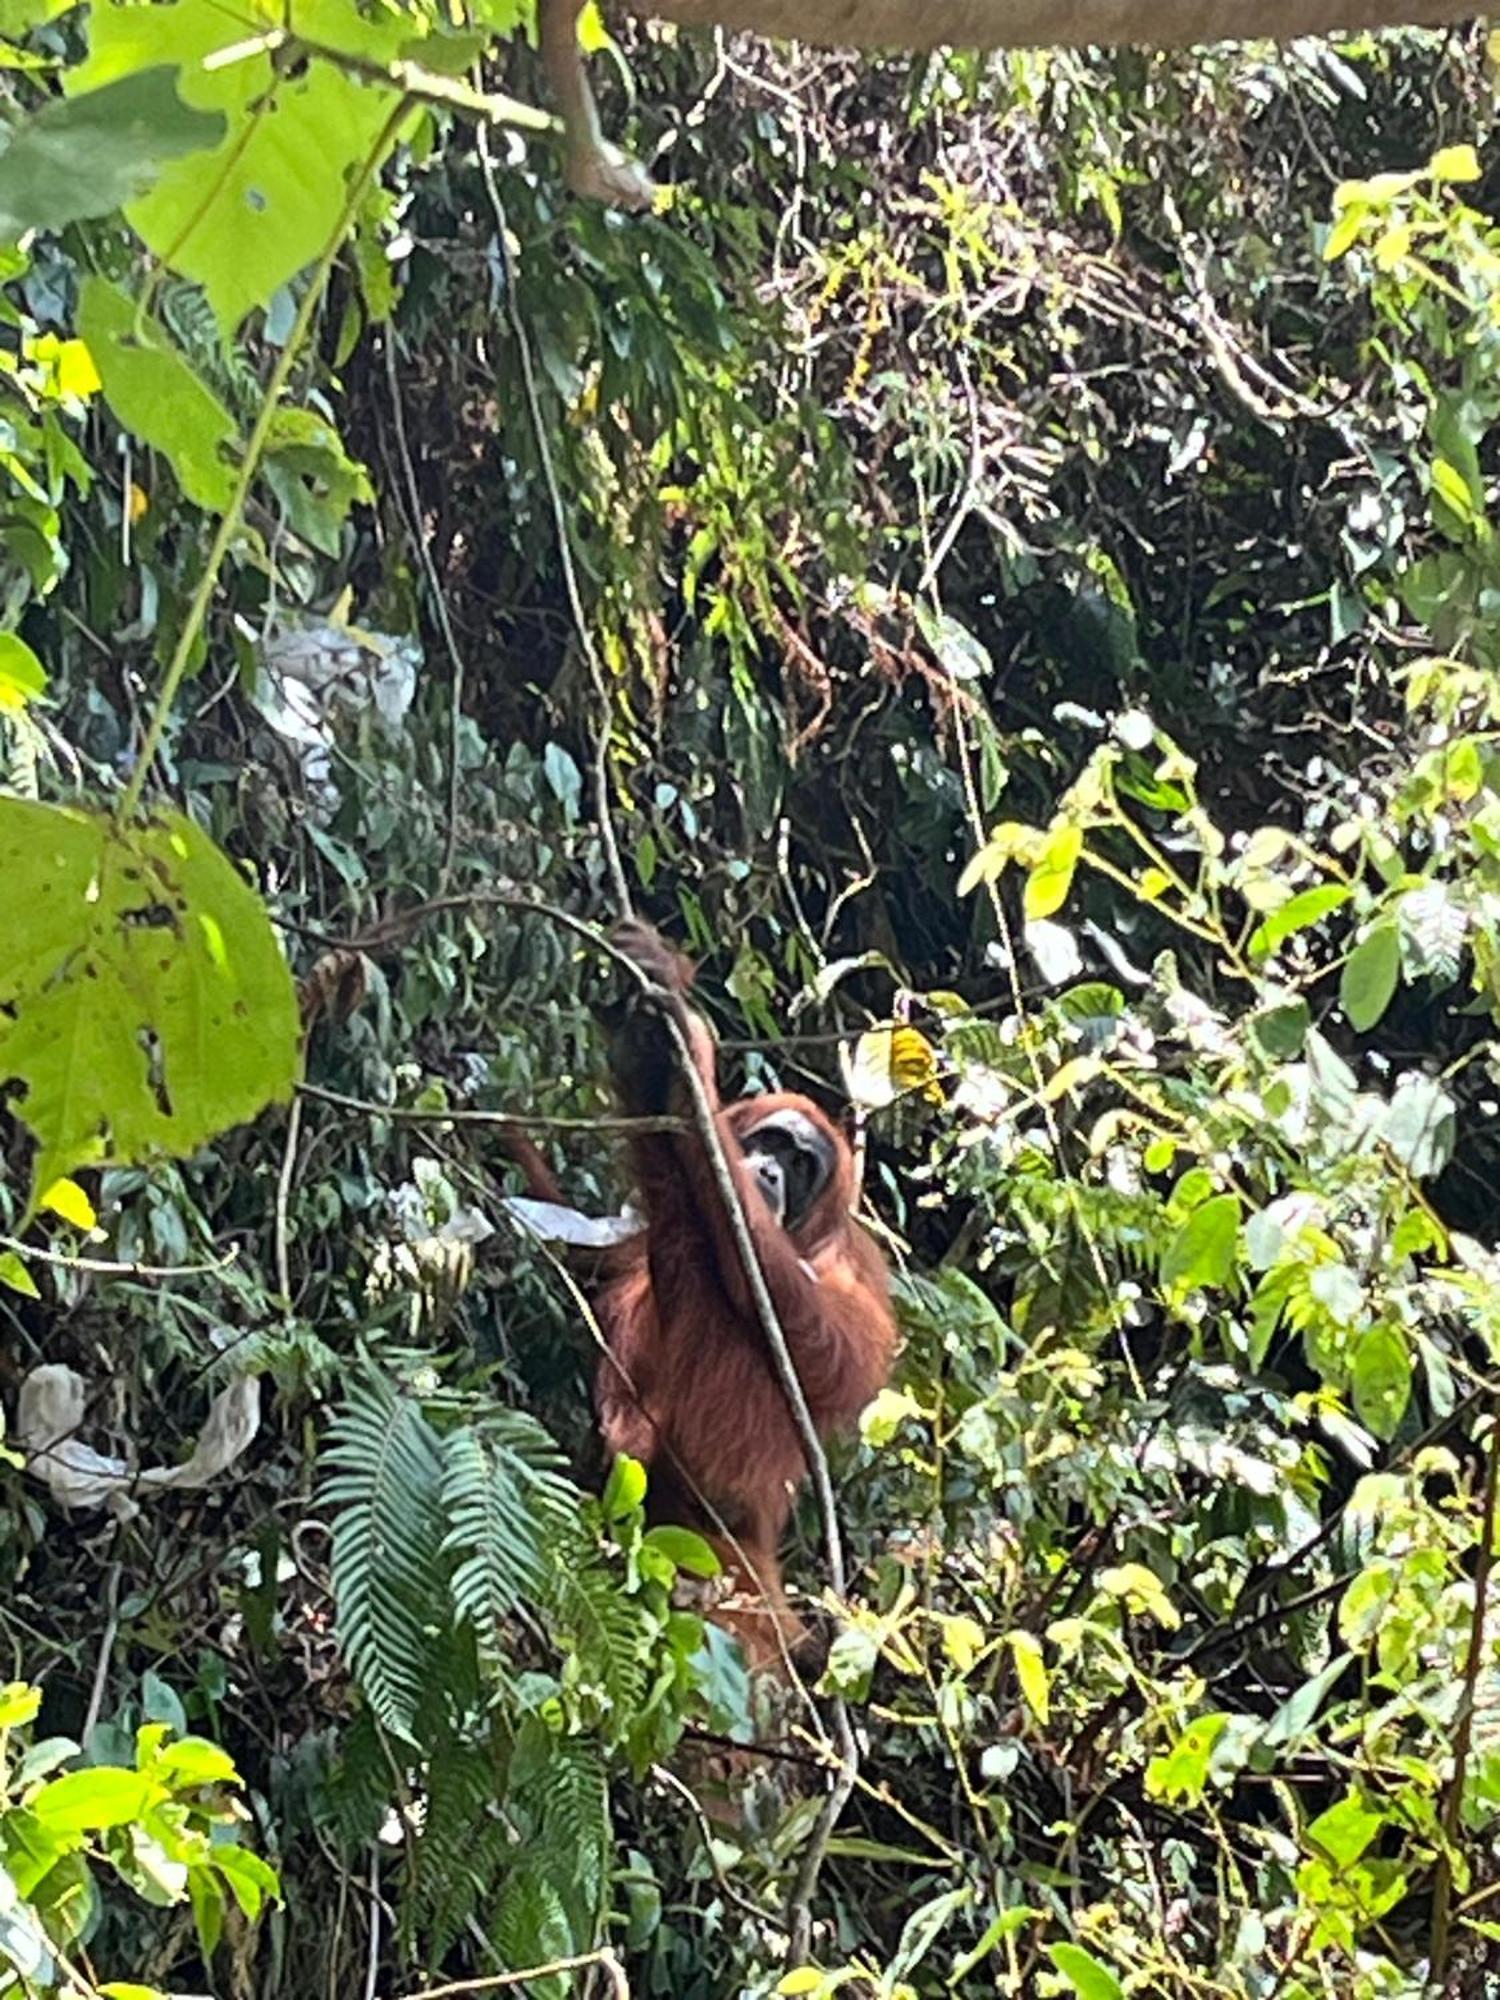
{"points": [[388, 1528], [507, 1510], [532, 1929]]}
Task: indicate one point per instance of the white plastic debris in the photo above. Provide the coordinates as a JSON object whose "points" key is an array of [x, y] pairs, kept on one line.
{"points": [[554, 1222], [312, 672], [51, 1410]]}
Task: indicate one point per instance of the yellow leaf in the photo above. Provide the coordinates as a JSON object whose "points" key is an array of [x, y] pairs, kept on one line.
{"points": [[67, 1199], [988, 865], [15, 1274], [1072, 1076], [1152, 884], [20, 1703], [1344, 233], [1031, 1672], [1052, 872], [1452, 488], [914, 1063], [963, 1641], [890, 1063], [592, 33], [1454, 163], [1385, 187], [76, 373], [806, 1979], [22, 677], [1010, 841], [138, 501], [882, 1418], [1393, 246], [1143, 1590]]}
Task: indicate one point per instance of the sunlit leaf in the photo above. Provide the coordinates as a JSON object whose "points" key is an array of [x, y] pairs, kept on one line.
{"points": [[1031, 1673], [1181, 1776], [1300, 913], [1089, 1977], [20, 1703], [22, 677], [89, 1801], [1454, 163], [1052, 872], [15, 1276], [1344, 1831], [626, 1489], [154, 393], [1203, 1250], [145, 1004], [67, 1199], [890, 1063], [244, 218], [686, 1549], [1143, 1591]]}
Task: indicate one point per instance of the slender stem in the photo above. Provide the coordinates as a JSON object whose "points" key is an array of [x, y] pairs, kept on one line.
{"points": [[495, 1982], [502, 1121], [1442, 1891], [229, 523]]}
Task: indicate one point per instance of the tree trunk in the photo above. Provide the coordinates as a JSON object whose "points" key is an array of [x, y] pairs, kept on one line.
{"points": [[1011, 24]]}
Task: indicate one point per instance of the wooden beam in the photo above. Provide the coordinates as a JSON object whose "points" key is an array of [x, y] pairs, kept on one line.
{"points": [[1014, 24]]}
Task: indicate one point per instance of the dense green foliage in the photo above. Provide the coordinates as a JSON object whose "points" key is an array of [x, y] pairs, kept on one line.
{"points": [[1003, 563]]}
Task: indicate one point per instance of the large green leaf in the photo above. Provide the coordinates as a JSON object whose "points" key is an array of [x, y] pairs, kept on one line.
{"points": [[90, 154], [1300, 913], [1203, 1250], [1369, 976], [90, 1800], [1382, 1378], [245, 218], [19, 17], [155, 394], [22, 676], [144, 1001], [1088, 1976]]}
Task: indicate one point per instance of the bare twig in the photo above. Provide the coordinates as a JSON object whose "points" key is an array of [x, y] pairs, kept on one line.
{"points": [[284, 1178], [416, 84], [499, 1121], [109, 1267], [106, 1649], [372, 1958], [493, 1982], [670, 1780]]}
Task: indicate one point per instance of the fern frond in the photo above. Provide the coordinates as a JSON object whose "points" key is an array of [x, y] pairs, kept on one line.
{"points": [[356, 1794], [532, 1929], [387, 1534], [576, 1823], [508, 1511], [609, 1634], [465, 1839]]}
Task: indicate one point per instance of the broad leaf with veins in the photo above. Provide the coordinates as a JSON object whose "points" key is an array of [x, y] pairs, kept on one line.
{"points": [[144, 1001]]}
